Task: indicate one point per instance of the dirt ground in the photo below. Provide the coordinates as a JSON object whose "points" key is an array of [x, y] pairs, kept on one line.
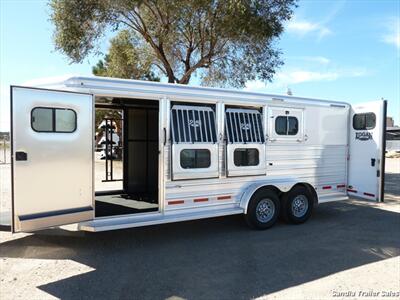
{"points": [[347, 250]]}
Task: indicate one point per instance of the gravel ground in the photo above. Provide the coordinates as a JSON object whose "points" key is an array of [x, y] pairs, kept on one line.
{"points": [[347, 250]]}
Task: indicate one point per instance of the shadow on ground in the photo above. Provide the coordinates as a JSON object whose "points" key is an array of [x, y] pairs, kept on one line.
{"points": [[215, 258], [392, 186]]}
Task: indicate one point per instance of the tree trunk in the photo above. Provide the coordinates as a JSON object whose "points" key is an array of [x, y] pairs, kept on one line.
{"points": [[171, 79], [185, 80]]}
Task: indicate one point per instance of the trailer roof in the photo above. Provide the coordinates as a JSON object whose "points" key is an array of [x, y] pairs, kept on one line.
{"points": [[115, 87]]}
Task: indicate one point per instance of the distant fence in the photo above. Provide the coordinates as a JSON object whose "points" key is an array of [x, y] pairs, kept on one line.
{"points": [[4, 151], [393, 145]]}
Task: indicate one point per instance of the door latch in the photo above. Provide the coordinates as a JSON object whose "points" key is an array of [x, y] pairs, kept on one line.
{"points": [[21, 155], [373, 162]]}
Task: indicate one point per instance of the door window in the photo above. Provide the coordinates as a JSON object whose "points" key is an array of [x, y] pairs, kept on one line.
{"points": [[47, 119], [65, 120], [245, 157], [365, 121], [285, 125], [281, 125], [42, 119], [195, 158]]}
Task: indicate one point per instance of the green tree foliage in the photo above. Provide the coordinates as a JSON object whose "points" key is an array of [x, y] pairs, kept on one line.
{"points": [[126, 59], [224, 42]]}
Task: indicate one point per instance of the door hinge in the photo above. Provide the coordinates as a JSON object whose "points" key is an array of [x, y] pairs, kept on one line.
{"points": [[378, 173]]}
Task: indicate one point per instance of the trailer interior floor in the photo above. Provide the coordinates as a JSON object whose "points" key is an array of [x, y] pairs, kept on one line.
{"points": [[111, 205]]}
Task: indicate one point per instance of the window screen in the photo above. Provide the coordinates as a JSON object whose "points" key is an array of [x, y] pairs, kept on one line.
{"points": [[195, 158], [364, 121], [193, 124], [244, 157], [47, 119], [285, 125], [243, 126]]}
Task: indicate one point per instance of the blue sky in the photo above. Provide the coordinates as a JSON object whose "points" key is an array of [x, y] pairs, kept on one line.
{"points": [[340, 50]]}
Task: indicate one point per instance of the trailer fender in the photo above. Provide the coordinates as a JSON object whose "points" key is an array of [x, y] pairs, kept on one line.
{"points": [[278, 187]]}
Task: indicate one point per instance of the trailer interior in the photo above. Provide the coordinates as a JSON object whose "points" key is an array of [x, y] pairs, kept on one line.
{"points": [[126, 156]]}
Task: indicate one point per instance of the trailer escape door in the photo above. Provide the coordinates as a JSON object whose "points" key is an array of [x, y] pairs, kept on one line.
{"points": [[245, 142], [194, 142], [367, 150], [52, 157]]}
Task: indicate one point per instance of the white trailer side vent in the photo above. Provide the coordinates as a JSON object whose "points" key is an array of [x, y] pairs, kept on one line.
{"points": [[193, 124], [244, 126]]}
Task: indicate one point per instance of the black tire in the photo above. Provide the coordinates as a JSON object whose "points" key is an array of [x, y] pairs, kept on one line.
{"points": [[299, 193], [268, 204]]}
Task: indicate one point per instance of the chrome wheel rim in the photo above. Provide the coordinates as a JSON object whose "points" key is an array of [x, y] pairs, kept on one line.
{"points": [[299, 206], [265, 210]]}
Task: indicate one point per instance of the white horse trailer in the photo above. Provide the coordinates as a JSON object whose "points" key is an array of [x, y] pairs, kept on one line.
{"points": [[188, 153]]}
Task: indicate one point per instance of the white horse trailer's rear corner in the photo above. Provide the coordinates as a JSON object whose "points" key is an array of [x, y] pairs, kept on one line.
{"points": [[367, 133]]}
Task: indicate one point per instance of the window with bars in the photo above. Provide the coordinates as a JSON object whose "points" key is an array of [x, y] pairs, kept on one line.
{"points": [[193, 124], [243, 126]]}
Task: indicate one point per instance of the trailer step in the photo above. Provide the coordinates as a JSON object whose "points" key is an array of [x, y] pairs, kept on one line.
{"points": [[145, 219]]}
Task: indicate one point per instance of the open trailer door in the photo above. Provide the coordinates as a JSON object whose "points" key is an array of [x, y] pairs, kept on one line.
{"points": [[52, 158], [367, 150]]}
